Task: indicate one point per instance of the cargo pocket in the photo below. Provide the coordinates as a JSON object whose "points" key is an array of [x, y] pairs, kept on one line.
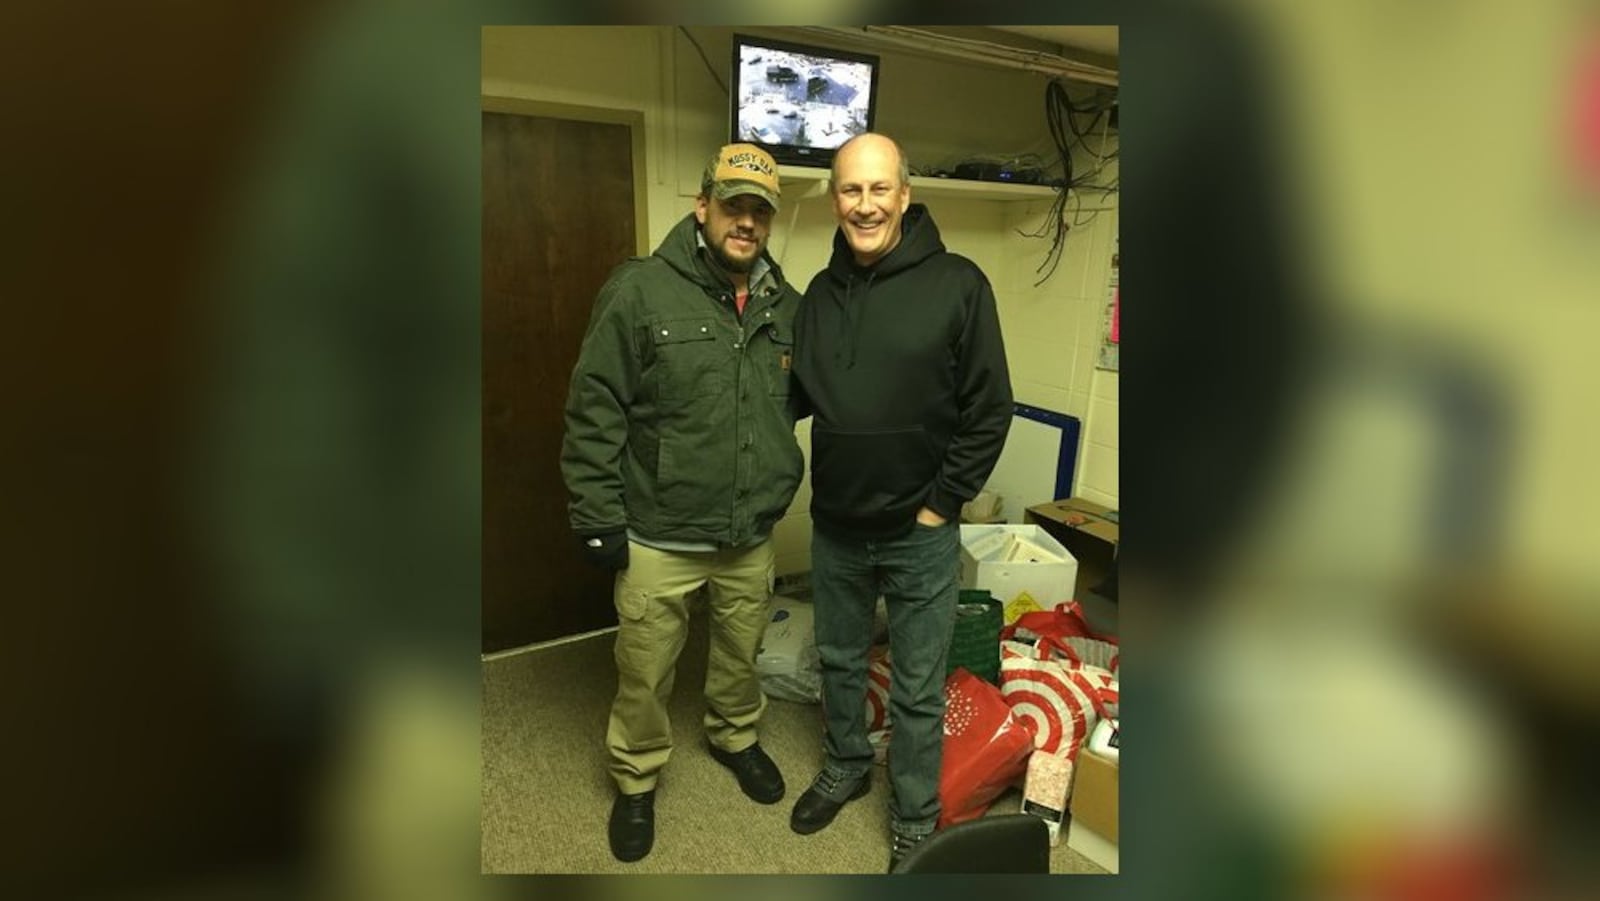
{"points": [[632, 601]]}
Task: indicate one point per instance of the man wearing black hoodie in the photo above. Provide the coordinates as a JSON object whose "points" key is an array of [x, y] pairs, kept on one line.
{"points": [[899, 357], [679, 456]]}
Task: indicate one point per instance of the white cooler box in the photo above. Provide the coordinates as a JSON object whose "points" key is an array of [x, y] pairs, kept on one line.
{"points": [[1022, 566]]}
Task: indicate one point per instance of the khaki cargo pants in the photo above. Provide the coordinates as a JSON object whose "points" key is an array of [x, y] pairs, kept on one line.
{"points": [[653, 613]]}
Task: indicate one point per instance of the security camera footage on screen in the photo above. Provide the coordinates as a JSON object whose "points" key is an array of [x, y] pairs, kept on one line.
{"points": [[801, 100]]}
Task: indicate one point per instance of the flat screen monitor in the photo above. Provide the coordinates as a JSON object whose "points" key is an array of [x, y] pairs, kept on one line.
{"points": [[800, 102]]}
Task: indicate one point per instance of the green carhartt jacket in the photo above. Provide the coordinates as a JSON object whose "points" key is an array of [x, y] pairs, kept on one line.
{"points": [[679, 420]]}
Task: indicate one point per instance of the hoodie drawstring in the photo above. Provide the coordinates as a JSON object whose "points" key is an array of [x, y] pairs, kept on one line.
{"points": [[844, 319], [861, 315]]}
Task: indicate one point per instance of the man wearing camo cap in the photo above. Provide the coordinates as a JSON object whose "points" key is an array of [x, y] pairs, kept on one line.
{"points": [[679, 456]]}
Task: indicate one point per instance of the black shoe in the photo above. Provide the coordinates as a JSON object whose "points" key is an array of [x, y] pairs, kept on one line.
{"points": [[901, 845], [633, 825], [816, 809], [758, 775]]}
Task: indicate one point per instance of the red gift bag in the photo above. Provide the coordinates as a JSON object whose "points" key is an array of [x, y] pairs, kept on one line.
{"points": [[986, 748]]}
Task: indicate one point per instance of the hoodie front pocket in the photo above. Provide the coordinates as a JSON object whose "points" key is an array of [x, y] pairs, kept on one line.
{"points": [[858, 473]]}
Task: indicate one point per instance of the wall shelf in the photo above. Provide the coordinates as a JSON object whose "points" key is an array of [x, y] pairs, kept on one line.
{"points": [[802, 182]]}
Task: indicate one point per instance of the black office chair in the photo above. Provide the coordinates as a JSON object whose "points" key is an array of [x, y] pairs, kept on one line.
{"points": [[1008, 843]]}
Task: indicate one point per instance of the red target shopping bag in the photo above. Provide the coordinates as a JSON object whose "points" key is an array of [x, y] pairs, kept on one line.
{"points": [[878, 724], [986, 748], [1099, 682], [1067, 627], [1059, 700], [876, 706]]}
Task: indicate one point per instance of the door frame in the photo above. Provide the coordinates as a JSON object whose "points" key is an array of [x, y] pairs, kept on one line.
{"points": [[633, 119]]}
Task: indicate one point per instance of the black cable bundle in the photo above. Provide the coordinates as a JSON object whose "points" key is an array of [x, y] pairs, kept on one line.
{"points": [[1059, 111]]}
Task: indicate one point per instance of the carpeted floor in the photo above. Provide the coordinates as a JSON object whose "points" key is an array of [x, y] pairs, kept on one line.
{"points": [[546, 793]]}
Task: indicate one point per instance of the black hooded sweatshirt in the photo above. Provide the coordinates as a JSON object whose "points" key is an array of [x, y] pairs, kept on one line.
{"points": [[904, 370]]}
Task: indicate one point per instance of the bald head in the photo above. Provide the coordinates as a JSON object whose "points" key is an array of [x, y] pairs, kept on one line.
{"points": [[871, 192], [873, 144]]}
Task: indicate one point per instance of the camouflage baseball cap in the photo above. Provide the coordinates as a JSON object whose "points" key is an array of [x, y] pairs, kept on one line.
{"points": [[741, 169]]}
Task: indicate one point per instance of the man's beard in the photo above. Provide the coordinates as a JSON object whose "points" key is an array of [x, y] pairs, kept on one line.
{"points": [[729, 264]]}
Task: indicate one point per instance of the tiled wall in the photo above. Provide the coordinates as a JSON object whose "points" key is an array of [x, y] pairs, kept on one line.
{"points": [[1097, 456]]}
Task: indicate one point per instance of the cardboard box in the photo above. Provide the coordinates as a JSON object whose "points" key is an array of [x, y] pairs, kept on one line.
{"points": [[1090, 531], [1041, 578], [1093, 845], [1093, 831]]}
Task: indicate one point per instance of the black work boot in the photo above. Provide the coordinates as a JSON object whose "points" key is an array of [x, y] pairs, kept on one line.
{"points": [[900, 844], [817, 807], [758, 775], [633, 825]]}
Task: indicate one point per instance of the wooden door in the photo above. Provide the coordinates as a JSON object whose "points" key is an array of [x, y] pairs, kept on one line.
{"points": [[558, 215]]}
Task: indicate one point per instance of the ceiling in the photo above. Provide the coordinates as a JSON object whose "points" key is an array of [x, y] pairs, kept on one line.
{"points": [[1100, 39]]}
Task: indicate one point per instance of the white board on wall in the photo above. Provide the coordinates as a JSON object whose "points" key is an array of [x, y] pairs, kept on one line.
{"points": [[1036, 465]]}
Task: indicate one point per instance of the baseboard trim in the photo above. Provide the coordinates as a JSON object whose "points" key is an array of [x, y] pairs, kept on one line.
{"points": [[541, 645]]}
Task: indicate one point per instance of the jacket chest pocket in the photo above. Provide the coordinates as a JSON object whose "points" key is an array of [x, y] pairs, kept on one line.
{"points": [[688, 358], [780, 360]]}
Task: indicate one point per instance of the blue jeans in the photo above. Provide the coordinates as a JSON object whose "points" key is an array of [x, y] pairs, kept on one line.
{"points": [[917, 575]]}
